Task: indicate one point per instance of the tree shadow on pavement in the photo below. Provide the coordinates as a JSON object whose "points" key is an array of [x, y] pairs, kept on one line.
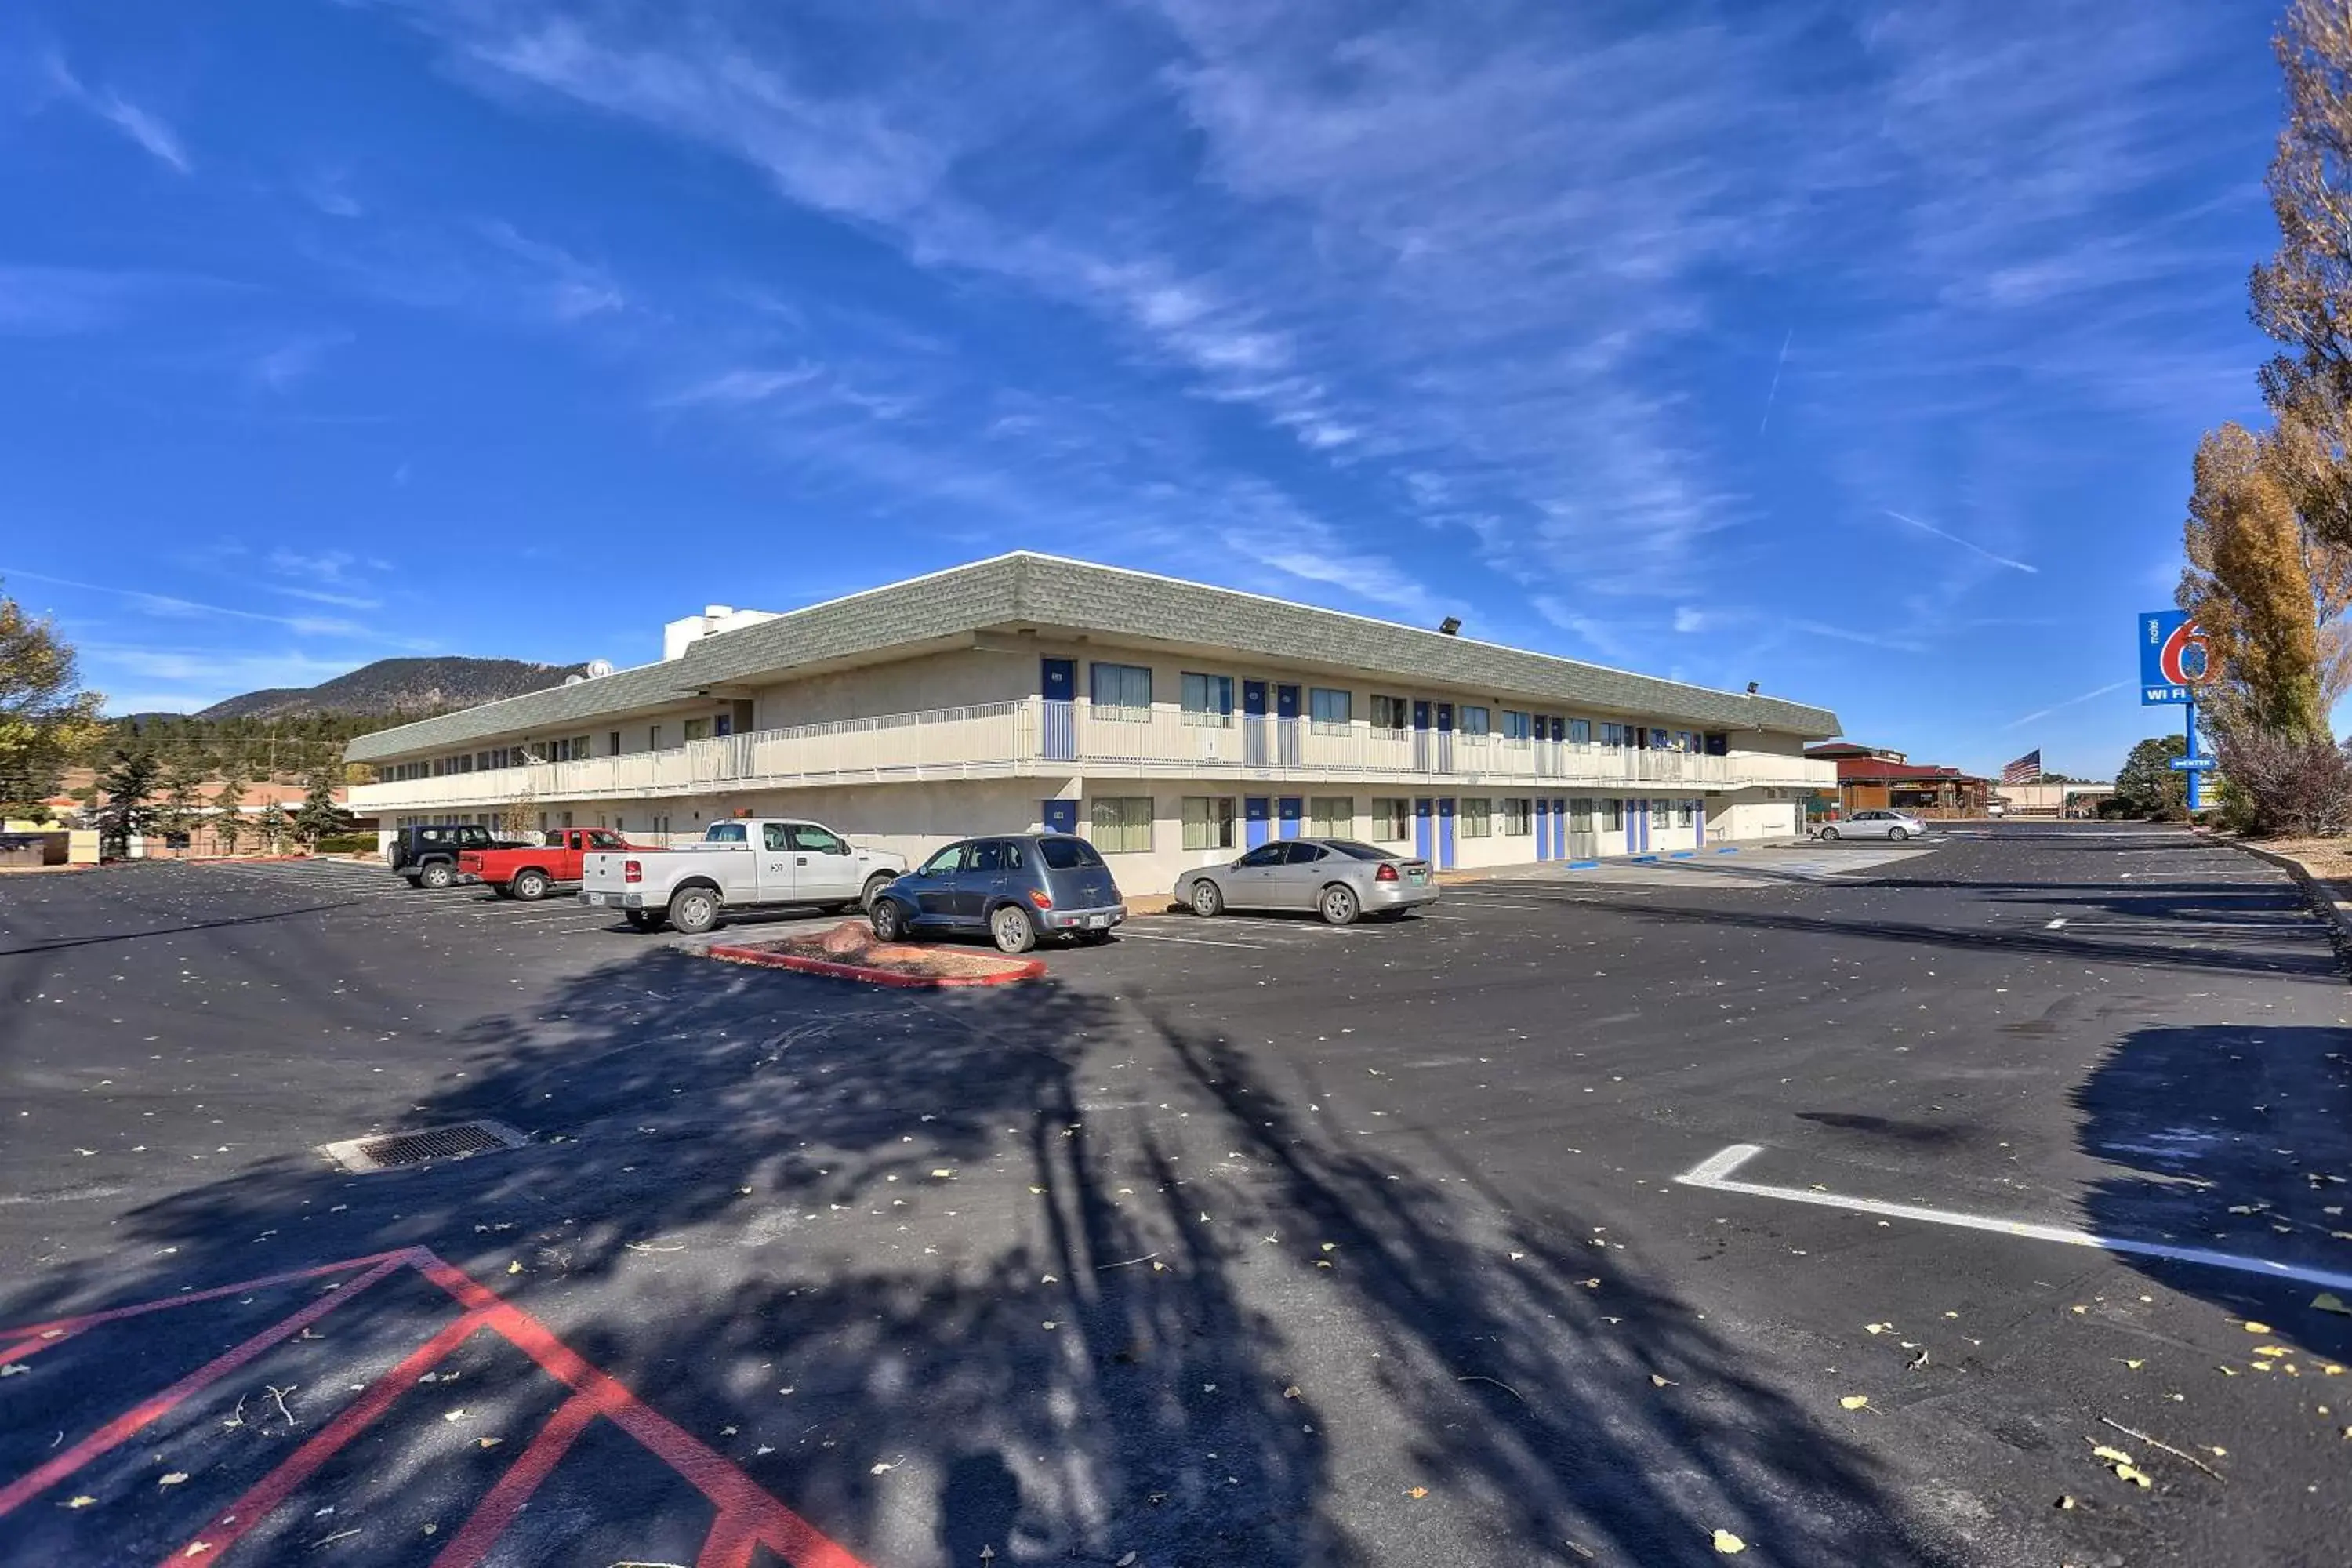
{"points": [[1033, 1271], [2230, 1138]]}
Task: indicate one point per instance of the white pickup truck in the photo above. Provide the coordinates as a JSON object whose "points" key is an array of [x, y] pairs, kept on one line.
{"points": [[744, 863]]}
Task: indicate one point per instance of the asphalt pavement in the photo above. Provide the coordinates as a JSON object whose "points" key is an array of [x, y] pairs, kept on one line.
{"points": [[2018, 1166]]}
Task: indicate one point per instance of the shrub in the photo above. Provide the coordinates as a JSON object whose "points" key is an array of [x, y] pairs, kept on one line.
{"points": [[346, 844], [2287, 784]]}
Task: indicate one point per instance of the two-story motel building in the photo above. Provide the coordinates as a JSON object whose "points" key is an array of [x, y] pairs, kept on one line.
{"points": [[1172, 723]]}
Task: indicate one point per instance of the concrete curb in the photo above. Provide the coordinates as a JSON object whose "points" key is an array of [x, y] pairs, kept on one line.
{"points": [[768, 958], [2337, 911]]}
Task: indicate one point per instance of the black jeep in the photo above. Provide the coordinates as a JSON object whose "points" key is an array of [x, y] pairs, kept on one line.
{"points": [[428, 857]]}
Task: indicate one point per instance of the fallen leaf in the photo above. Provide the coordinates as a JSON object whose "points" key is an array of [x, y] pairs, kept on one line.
{"points": [[82, 1501], [882, 1466], [2135, 1366], [943, 1173], [2113, 1456], [1728, 1543], [13, 1370], [431, 1528], [2065, 1502], [456, 1414], [2254, 1327], [1416, 1493], [1854, 1401], [197, 1548], [2127, 1473], [173, 1479], [2327, 1301], [1657, 1382], [1875, 1328], [514, 1267], [488, 1442]]}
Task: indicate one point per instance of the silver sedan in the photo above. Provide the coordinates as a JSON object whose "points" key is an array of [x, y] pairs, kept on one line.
{"points": [[1338, 878], [1895, 824]]}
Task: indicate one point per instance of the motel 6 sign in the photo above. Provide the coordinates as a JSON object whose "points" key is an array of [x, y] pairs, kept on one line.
{"points": [[2172, 661]]}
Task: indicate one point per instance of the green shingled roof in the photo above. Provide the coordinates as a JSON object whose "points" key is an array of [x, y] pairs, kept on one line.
{"points": [[1047, 592]]}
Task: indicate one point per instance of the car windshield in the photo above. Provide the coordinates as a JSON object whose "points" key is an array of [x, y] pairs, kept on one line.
{"points": [[1356, 851]]}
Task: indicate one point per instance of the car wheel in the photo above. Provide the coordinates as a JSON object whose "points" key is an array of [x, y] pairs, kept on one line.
{"points": [[889, 921], [1829, 835], [874, 885], [1208, 900], [1897, 833], [1013, 929], [1339, 905], [530, 886], [507, 892], [436, 876], [643, 919], [694, 911]]}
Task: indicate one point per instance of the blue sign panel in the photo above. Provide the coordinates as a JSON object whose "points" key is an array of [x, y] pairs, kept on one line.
{"points": [[2171, 658], [2193, 764]]}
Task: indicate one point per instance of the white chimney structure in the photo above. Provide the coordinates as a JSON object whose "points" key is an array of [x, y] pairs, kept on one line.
{"points": [[715, 619]]}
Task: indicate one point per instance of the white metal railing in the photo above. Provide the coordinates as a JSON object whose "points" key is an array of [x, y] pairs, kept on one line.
{"points": [[1034, 736]]}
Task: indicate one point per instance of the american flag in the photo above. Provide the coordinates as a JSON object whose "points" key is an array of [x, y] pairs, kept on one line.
{"points": [[2023, 771]]}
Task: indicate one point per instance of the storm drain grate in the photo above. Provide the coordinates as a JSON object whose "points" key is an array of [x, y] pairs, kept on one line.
{"points": [[392, 1150]]}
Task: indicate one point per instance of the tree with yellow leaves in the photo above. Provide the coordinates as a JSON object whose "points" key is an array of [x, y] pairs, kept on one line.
{"points": [[2267, 590], [45, 716]]}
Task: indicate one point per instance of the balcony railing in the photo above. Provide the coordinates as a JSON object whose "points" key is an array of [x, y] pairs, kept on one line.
{"points": [[1038, 737]]}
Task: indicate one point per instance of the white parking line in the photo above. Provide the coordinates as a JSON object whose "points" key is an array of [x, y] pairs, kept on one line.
{"points": [[1713, 1174], [1130, 931], [1479, 900]]}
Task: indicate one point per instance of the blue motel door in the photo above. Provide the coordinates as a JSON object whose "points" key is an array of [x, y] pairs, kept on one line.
{"points": [[1286, 813], [1254, 820], [1255, 750], [1422, 812], [1445, 835], [1543, 829], [1058, 679], [1060, 816]]}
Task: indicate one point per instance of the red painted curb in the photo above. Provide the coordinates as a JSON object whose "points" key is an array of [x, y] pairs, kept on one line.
{"points": [[1029, 969]]}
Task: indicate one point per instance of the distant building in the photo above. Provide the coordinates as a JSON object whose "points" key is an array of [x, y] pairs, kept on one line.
{"points": [[1878, 778]]}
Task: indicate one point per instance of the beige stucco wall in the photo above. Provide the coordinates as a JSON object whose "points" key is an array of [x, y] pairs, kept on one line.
{"points": [[962, 677]]}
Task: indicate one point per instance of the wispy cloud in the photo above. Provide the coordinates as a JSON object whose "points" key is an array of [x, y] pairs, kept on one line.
{"points": [[2113, 686], [280, 368], [142, 127], [737, 387], [174, 606], [1956, 539], [572, 289], [1848, 634]]}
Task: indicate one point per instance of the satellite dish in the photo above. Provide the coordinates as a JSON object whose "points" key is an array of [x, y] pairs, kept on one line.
{"points": [[573, 680], [599, 667]]}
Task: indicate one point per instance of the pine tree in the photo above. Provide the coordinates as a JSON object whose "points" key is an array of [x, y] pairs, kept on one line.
{"points": [[2149, 783], [321, 817], [272, 827], [128, 786], [229, 823]]}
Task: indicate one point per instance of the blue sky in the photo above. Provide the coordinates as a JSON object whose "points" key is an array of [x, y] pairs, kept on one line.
{"points": [[1857, 350]]}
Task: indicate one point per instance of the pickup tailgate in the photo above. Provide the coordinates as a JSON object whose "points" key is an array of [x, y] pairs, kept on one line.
{"points": [[607, 871]]}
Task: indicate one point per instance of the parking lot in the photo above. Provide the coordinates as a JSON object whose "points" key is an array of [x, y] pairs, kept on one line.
{"points": [[1245, 1241]]}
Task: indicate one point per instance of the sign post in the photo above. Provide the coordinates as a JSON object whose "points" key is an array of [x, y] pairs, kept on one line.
{"points": [[2172, 663]]}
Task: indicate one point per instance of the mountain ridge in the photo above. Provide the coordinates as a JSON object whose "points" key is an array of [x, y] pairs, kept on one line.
{"points": [[413, 685]]}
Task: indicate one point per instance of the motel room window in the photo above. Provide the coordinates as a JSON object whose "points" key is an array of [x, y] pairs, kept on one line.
{"points": [[697, 730], [1657, 740], [1682, 813], [1613, 736], [1391, 714], [1208, 822], [653, 737], [1391, 820], [1579, 816], [1517, 726], [1613, 815], [579, 748], [1475, 721], [1120, 692], [1121, 823], [1579, 731], [613, 740], [1685, 742], [1517, 817], [1208, 699], [1333, 708], [1478, 819], [1332, 815]]}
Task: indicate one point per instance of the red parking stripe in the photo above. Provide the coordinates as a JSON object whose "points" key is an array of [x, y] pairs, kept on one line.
{"points": [[522, 1477], [19, 1352], [128, 1424], [233, 1522], [729, 1544], [769, 1521]]}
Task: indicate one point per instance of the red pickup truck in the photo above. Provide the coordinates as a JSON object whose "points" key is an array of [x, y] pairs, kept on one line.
{"points": [[529, 872]]}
